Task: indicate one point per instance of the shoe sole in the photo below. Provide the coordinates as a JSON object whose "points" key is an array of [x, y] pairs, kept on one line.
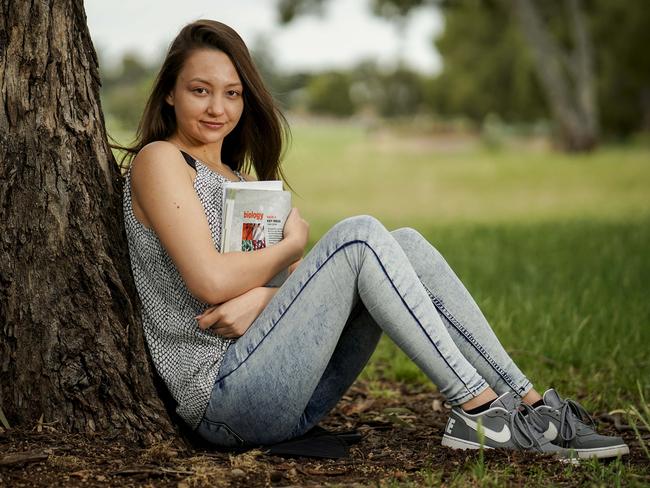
{"points": [[456, 443], [603, 452]]}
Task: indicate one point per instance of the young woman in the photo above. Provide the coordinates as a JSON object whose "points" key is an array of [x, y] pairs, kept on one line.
{"points": [[251, 365]]}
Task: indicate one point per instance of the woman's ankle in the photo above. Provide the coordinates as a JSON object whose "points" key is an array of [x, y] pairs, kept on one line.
{"points": [[483, 398], [532, 397]]}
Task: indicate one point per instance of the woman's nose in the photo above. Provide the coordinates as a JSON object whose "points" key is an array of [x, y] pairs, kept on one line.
{"points": [[216, 106]]}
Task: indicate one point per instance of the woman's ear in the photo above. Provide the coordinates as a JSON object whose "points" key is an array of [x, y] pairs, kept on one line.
{"points": [[169, 98]]}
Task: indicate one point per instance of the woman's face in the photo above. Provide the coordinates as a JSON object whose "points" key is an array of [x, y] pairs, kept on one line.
{"points": [[207, 97]]}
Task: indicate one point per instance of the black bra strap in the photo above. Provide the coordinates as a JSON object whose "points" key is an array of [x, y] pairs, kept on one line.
{"points": [[189, 159]]}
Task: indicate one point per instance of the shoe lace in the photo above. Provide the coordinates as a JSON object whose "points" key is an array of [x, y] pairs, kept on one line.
{"points": [[524, 436], [572, 412]]}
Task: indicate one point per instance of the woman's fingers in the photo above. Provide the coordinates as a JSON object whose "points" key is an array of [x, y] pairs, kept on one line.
{"points": [[296, 228], [207, 310], [215, 320], [226, 330], [208, 318]]}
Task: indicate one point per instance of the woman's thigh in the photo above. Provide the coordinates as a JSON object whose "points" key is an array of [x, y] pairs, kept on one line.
{"points": [[269, 375]]}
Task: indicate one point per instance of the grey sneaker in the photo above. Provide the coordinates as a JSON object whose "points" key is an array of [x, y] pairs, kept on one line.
{"points": [[503, 424], [567, 424]]}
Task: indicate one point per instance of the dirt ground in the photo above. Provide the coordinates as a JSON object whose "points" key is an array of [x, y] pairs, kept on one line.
{"points": [[401, 427]]}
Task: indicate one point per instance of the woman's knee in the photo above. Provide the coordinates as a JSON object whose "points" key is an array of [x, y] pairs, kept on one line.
{"points": [[407, 235], [360, 226], [412, 242]]}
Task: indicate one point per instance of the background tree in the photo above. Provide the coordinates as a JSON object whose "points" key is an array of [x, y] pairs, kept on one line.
{"points": [[125, 90], [566, 74], [71, 347], [401, 92], [329, 94], [286, 88], [564, 70], [487, 68], [620, 29]]}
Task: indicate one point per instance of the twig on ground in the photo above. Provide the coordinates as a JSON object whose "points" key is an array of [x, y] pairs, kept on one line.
{"points": [[4, 420], [19, 458], [318, 472], [150, 471], [616, 418]]}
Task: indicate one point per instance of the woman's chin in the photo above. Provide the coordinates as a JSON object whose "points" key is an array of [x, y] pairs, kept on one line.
{"points": [[209, 137]]}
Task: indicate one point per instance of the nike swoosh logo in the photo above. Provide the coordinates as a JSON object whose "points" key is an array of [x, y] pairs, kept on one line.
{"points": [[501, 437], [551, 432]]}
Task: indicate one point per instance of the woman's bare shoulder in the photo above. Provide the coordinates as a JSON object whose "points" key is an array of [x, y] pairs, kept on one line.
{"points": [[157, 152], [160, 159], [158, 172]]}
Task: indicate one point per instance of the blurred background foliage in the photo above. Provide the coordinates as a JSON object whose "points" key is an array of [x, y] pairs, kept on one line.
{"points": [[490, 76]]}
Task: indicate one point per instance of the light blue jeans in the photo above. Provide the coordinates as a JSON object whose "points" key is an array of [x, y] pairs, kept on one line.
{"points": [[317, 333]]}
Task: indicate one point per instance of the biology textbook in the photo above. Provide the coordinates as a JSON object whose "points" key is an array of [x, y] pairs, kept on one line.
{"points": [[254, 213]]}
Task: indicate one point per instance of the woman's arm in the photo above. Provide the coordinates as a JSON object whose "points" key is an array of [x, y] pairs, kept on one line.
{"points": [[163, 191]]}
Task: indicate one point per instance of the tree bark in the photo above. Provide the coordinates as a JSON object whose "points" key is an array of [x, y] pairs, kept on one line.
{"points": [[71, 344], [566, 79]]}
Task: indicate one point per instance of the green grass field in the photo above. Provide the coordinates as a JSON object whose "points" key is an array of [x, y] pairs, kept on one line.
{"points": [[426, 180]]}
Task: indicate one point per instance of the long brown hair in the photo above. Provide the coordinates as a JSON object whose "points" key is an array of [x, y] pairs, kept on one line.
{"points": [[258, 139]]}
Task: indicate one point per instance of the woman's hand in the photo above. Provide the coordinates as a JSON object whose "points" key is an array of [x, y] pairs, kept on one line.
{"points": [[233, 318], [296, 230], [293, 267]]}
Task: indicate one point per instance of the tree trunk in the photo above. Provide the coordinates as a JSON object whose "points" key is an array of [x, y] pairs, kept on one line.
{"points": [[71, 344], [567, 79]]}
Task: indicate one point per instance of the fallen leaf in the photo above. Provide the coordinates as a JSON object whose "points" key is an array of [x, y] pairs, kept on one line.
{"points": [[357, 407]]}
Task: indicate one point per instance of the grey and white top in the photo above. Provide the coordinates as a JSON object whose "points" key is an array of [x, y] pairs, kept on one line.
{"points": [[186, 357]]}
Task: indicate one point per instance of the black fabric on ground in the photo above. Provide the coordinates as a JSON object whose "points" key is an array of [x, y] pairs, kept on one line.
{"points": [[317, 443]]}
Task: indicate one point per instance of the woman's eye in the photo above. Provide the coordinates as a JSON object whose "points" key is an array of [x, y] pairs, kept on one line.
{"points": [[200, 91], [233, 93]]}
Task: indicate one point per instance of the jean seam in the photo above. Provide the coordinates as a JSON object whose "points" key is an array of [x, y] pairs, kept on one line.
{"points": [[460, 399], [227, 428], [302, 287], [437, 302]]}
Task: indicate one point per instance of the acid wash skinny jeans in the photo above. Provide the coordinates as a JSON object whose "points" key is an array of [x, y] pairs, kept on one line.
{"points": [[317, 333]]}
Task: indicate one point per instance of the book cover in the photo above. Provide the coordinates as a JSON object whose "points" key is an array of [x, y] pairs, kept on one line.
{"points": [[253, 218]]}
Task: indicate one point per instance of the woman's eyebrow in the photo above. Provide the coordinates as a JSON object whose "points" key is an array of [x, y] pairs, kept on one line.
{"points": [[229, 84], [200, 80]]}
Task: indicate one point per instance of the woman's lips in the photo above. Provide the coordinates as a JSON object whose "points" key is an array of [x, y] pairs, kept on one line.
{"points": [[212, 125]]}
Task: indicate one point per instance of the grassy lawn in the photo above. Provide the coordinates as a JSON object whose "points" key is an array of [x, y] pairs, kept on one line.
{"points": [[424, 180]]}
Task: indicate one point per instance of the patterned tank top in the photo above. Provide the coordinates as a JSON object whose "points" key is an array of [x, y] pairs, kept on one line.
{"points": [[186, 357]]}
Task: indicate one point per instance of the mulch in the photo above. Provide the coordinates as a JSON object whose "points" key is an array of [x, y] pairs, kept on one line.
{"points": [[401, 426]]}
